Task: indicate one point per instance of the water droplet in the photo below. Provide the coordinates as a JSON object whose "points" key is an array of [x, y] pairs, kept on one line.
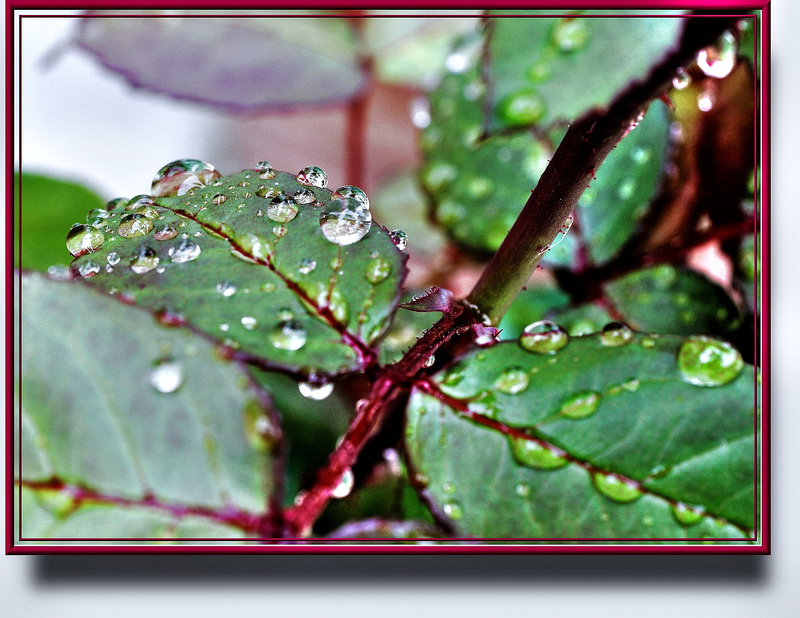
{"points": [[344, 222], [345, 485], [167, 376], [82, 239], [281, 209], [512, 381], [307, 265], [399, 238], [543, 337], [265, 171], [681, 79], [317, 392], [249, 322], [145, 260], [280, 231], [269, 192], [430, 361], [184, 251], [688, 515], [705, 101], [533, 454], [704, 361], [179, 177], [719, 59], [252, 248], [304, 196], [289, 335], [377, 270], [133, 225], [420, 112], [580, 405], [97, 217], [219, 198], [571, 34], [631, 385], [648, 343], [523, 107], [117, 202], [453, 509], [626, 189], [523, 490], [617, 488], [88, 269], [349, 191], [615, 334], [226, 289], [168, 232], [485, 404], [312, 176]]}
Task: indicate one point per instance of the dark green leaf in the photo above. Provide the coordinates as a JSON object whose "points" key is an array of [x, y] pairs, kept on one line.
{"points": [[530, 306], [590, 410], [582, 320]]}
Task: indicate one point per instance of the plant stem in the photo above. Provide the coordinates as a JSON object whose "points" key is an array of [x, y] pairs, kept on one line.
{"points": [[583, 149]]}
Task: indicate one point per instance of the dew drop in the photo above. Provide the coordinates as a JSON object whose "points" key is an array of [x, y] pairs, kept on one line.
{"points": [[526, 106], [83, 239], [133, 225], [226, 289], [252, 248], [281, 209], [145, 260], [681, 79], [344, 222], [571, 34], [269, 192], [377, 270], [179, 177], [617, 488], [219, 198], [265, 171], [399, 238], [533, 454], [97, 217], [543, 337], [280, 230], [288, 335], [168, 232], [453, 509], [430, 361], [688, 515], [167, 376], [705, 101], [138, 201], [512, 381], [307, 265], [615, 334], [184, 251], [345, 485], [249, 322], [304, 196], [88, 269], [349, 191], [523, 490], [704, 361], [648, 343], [719, 59], [312, 176], [317, 392], [580, 405]]}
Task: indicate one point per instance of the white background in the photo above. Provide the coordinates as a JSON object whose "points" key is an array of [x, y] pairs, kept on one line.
{"points": [[465, 586]]}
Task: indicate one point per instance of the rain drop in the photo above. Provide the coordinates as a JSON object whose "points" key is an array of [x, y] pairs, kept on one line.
{"points": [[704, 361], [485, 404], [317, 392], [144, 261], [615, 334], [281, 209], [617, 488], [543, 337], [133, 225], [226, 289], [304, 196], [571, 34], [249, 322], [179, 177], [312, 176], [168, 232], [580, 405], [719, 59], [681, 79], [219, 198], [307, 265], [268, 192], [265, 171], [523, 490], [113, 258], [167, 376], [345, 485], [533, 454], [344, 222], [88, 269], [688, 515], [512, 381], [523, 107], [349, 191], [377, 270], [453, 509], [184, 251], [82, 239], [399, 238], [288, 335]]}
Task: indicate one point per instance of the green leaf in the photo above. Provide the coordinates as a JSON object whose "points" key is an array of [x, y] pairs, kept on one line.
{"points": [[582, 320], [663, 299], [546, 69], [49, 206], [520, 445], [130, 429], [256, 272], [530, 306]]}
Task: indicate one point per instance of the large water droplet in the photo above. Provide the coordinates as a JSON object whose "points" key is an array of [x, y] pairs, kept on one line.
{"points": [[485, 404], [532, 454], [265, 171], [719, 59], [145, 260], [82, 239], [512, 381], [704, 361], [179, 177], [345, 485], [615, 334], [281, 209], [616, 487], [138, 201], [226, 289], [543, 337], [289, 335], [377, 270], [349, 191], [312, 176], [571, 34], [168, 232], [167, 376], [580, 405], [344, 222], [317, 392], [304, 196], [523, 107], [88, 269], [399, 238], [133, 225], [681, 79], [269, 192], [688, 515], [185, 251]]}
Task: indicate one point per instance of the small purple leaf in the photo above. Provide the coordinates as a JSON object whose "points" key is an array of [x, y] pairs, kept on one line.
{"points": [[435, 299]]}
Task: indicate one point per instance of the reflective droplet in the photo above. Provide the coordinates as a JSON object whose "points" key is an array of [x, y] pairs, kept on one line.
{"points": [[219, 198], [269, 192], [167, 376], [543, 337], [113, 258], [145, 260], [83, 239], [307, 265], [133, 225], [281, 209], [317, 392], [226, 289], [399, 238], [265, 171], [138, 201], [280, 230], [704, 361], [312, 176], [345, 485], [615, 334], [681, 79], [344, 222], [288, 335], [116, 203], [533, 454], [249, 322], [377, 270], [580, 405], [97, 217], [705, 101], [304, 196], [719, 59], [512, 381], [523, 107], [420, 112], [648, 343], [453, 509], [252, 248], [571, 34], [179, 177], [688, 515], [430, 361], [349, 191], [88, 269], [617, 488], [168, 232], [184, 251]]}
